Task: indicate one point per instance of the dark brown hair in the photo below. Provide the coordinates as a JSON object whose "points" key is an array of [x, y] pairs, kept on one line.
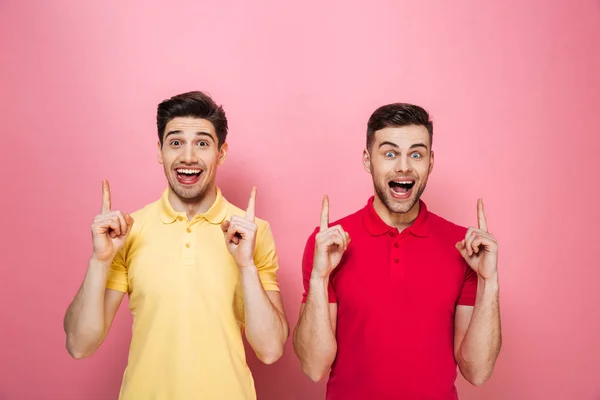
{"points": [[192, 104], [396, 115]]}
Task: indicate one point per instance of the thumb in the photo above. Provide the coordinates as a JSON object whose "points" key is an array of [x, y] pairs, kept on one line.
{"points": [[225, 226], [129, 222], [462, 249]]}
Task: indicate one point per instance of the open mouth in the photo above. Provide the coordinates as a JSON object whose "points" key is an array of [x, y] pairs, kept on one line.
{"points": [[402, 188], [188, 176]]}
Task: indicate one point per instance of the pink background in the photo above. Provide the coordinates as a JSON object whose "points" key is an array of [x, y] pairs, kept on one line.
{"points": [[512, 86]]}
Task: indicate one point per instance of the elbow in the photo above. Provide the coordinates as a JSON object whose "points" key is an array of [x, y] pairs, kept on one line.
{"points": [[478, 379], [477, 372], [79, 348], [77, 354], [271, 354], [76, 351], [315, 363], [314, 374], [315, 369], [271, 357]]}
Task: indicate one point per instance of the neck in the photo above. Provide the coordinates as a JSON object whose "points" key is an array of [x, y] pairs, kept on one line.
{"points": [[197, 205], [398, 220]]}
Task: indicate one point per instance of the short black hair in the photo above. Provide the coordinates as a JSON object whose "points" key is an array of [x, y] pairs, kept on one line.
{"points": [[396, 115], [194, 104]]}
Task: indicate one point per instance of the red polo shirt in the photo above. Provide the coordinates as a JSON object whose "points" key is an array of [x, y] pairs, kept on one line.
{"points": [[396, 295]]}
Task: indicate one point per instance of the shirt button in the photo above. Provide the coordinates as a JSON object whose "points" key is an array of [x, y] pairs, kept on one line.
{"points": [[187, 245], [180, 218], [188, 230], [396, 260], [395, 244]]}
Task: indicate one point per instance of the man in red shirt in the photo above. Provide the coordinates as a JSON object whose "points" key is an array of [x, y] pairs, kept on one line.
{"points": [[395, 296]]}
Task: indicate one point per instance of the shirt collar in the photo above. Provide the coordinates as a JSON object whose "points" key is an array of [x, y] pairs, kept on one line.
{"points": [[215, 214], [376, 226]]}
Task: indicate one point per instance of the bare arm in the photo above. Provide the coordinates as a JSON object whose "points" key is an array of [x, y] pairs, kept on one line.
{"points": [[314, 337], [266, 325], [478, 337], [90, 315]]}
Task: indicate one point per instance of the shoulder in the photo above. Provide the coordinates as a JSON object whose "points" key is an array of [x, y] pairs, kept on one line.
{"points": [[145, 211], [445, 228], [350, 221], [148, 212], [144, 216]]}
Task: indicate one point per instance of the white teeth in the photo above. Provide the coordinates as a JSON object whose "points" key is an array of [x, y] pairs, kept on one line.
{"points": [[188, 171], [403, 182]]}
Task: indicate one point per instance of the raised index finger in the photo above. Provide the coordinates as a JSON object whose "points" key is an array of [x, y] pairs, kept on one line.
{"points": [[324, 214], [482, 223], [250, 212], [105, 196]]}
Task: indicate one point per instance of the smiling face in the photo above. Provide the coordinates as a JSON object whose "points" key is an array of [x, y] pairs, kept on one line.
{"points": [[190, 155], [399, 160]]}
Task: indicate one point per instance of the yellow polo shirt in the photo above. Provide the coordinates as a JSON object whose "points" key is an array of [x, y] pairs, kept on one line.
{"points": [[185, 297]]}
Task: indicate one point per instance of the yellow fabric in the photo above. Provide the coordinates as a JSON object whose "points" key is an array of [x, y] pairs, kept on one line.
{"points": [[186, 300]]}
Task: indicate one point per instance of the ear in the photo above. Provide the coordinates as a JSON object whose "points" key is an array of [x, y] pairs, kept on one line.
{"points": [[160, 157], [431, 162], [367, 160], [222, 153]]}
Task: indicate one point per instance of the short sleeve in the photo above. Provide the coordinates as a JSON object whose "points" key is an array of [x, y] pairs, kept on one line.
{"points": [[469, 290], [266, 260], [117, 273], [307, 264]]}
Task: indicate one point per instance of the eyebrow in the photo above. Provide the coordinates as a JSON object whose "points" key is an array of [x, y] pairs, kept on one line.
{"points": [[199, 133], [394, 145]]}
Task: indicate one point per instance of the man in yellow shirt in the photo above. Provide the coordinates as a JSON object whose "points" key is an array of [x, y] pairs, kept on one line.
{"points": [[198, 271]]}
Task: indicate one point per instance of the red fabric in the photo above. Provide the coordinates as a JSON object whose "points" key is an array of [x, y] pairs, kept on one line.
{"points": [[396, 295]]}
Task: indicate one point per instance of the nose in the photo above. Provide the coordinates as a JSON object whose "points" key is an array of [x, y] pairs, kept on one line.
{"points": [[402, 164], [189, 154]]}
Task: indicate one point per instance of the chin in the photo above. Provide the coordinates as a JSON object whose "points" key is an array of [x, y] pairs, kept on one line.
{"points": [[400, 206], [188, 192]]}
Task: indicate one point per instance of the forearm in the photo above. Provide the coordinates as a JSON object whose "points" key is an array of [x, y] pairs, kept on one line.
{"points": [[483, 339], [266, 327], [314, 337], [84, 321]]}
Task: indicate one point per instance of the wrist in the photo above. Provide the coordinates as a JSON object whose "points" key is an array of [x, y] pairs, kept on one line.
{"points": [[98, 263], [488, 286], [489, 280], [247, 267], [318, 280]]}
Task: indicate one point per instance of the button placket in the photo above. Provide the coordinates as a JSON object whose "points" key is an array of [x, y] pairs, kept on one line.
{"points": [[188, 248], [397, 267]]}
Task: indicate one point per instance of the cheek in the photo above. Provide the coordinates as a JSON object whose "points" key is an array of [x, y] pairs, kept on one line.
{"points": [[167, 158], [423, 169], [210, 159], [382, 169]]}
